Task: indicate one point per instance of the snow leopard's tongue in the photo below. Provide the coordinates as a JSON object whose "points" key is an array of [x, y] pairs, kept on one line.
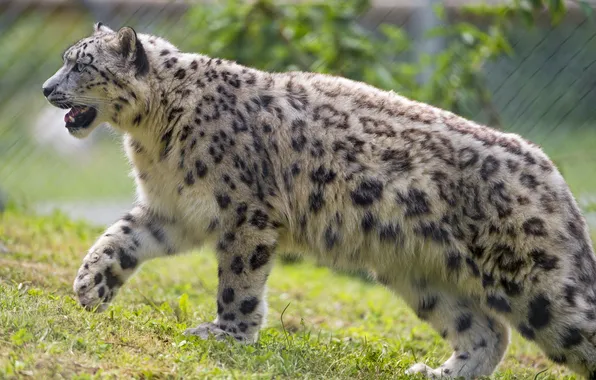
{"points": [[72, 114]]}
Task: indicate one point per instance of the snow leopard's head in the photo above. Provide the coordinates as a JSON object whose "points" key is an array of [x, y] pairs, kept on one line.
{"points": [[100, 80]]}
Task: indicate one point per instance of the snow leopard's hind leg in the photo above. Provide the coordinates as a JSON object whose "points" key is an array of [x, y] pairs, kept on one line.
{"points": [[557, 310], [479, 339]]}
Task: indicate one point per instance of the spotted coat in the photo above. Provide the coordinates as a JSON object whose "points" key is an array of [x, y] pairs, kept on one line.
{"points": [[475, 228]]}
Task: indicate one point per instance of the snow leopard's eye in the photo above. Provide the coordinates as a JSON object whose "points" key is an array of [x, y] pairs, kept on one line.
{"points": [[78, 67]]}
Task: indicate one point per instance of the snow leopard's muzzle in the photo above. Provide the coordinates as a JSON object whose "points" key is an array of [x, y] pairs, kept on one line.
{"points": [[79, 117]]}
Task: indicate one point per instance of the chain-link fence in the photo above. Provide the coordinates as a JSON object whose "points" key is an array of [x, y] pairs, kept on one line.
{"points": [[545, 90]]}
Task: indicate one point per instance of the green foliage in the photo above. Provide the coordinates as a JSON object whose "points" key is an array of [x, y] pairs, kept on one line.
{"points": [[528, 10], [320, 37], [326, 37]]}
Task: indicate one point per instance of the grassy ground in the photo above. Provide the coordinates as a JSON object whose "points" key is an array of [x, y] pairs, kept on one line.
{"points": [[321, 324]]}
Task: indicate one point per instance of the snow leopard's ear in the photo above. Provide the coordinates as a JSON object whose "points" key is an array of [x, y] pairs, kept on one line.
{"points": [[100, 27], [131, 49]]}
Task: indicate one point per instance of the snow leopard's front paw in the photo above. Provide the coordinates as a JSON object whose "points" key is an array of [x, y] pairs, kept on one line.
{"points": [[219, 332], [428, 372], [98, 279]]}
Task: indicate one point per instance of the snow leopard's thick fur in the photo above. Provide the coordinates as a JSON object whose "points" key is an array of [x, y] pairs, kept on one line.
{"points": [[474, 228]]}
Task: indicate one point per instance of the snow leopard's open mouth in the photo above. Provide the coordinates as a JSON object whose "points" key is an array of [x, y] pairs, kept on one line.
{"points": [[80, 117]]}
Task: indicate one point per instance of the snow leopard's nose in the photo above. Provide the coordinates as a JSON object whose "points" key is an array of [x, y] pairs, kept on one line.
{"points": [[47, 90]]}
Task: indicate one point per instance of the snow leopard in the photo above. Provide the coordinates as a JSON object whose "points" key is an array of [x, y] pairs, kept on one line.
{"points": [[474, 228]]}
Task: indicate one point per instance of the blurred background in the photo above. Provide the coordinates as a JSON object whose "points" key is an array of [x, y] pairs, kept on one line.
{"points": [[526, 66]]}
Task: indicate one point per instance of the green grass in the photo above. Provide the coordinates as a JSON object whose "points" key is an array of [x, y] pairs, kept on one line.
{"points": [[333, 326]]}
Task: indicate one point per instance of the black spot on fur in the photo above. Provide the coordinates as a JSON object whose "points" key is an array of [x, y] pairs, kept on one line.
{"points": [[368, 221], [125, 230], [543, 260], [189, 179], [528, 180], [398, 160], [570, 292], [426, 305], [526, 331], [241, 214], [108, 251], [213, 224], [512, 165], [331, 237], [180, 74], [322, 175], [511, 288], [448, 189], [473, 267], [367, 192], [111, 279], [227, 295], [298, 142], [506, 259], [498, 303], [101, 291], [529, 159], [416, 202], [201, 168], [487, 280], [126, 261], [499, 197], [98, 278], [166, 139], [316, 201], [237, 265], [463, 322], [467, 157], [575, 229], [558, 358], [242, 326], [249, 305], [156, 232], [480, 344], [259, 257], [539, 313], [453, 261], [572, 338], [259, 219], [223, 200], [389, 232], [433, 231], [229, 316], [534, 226], [489, 167]]}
